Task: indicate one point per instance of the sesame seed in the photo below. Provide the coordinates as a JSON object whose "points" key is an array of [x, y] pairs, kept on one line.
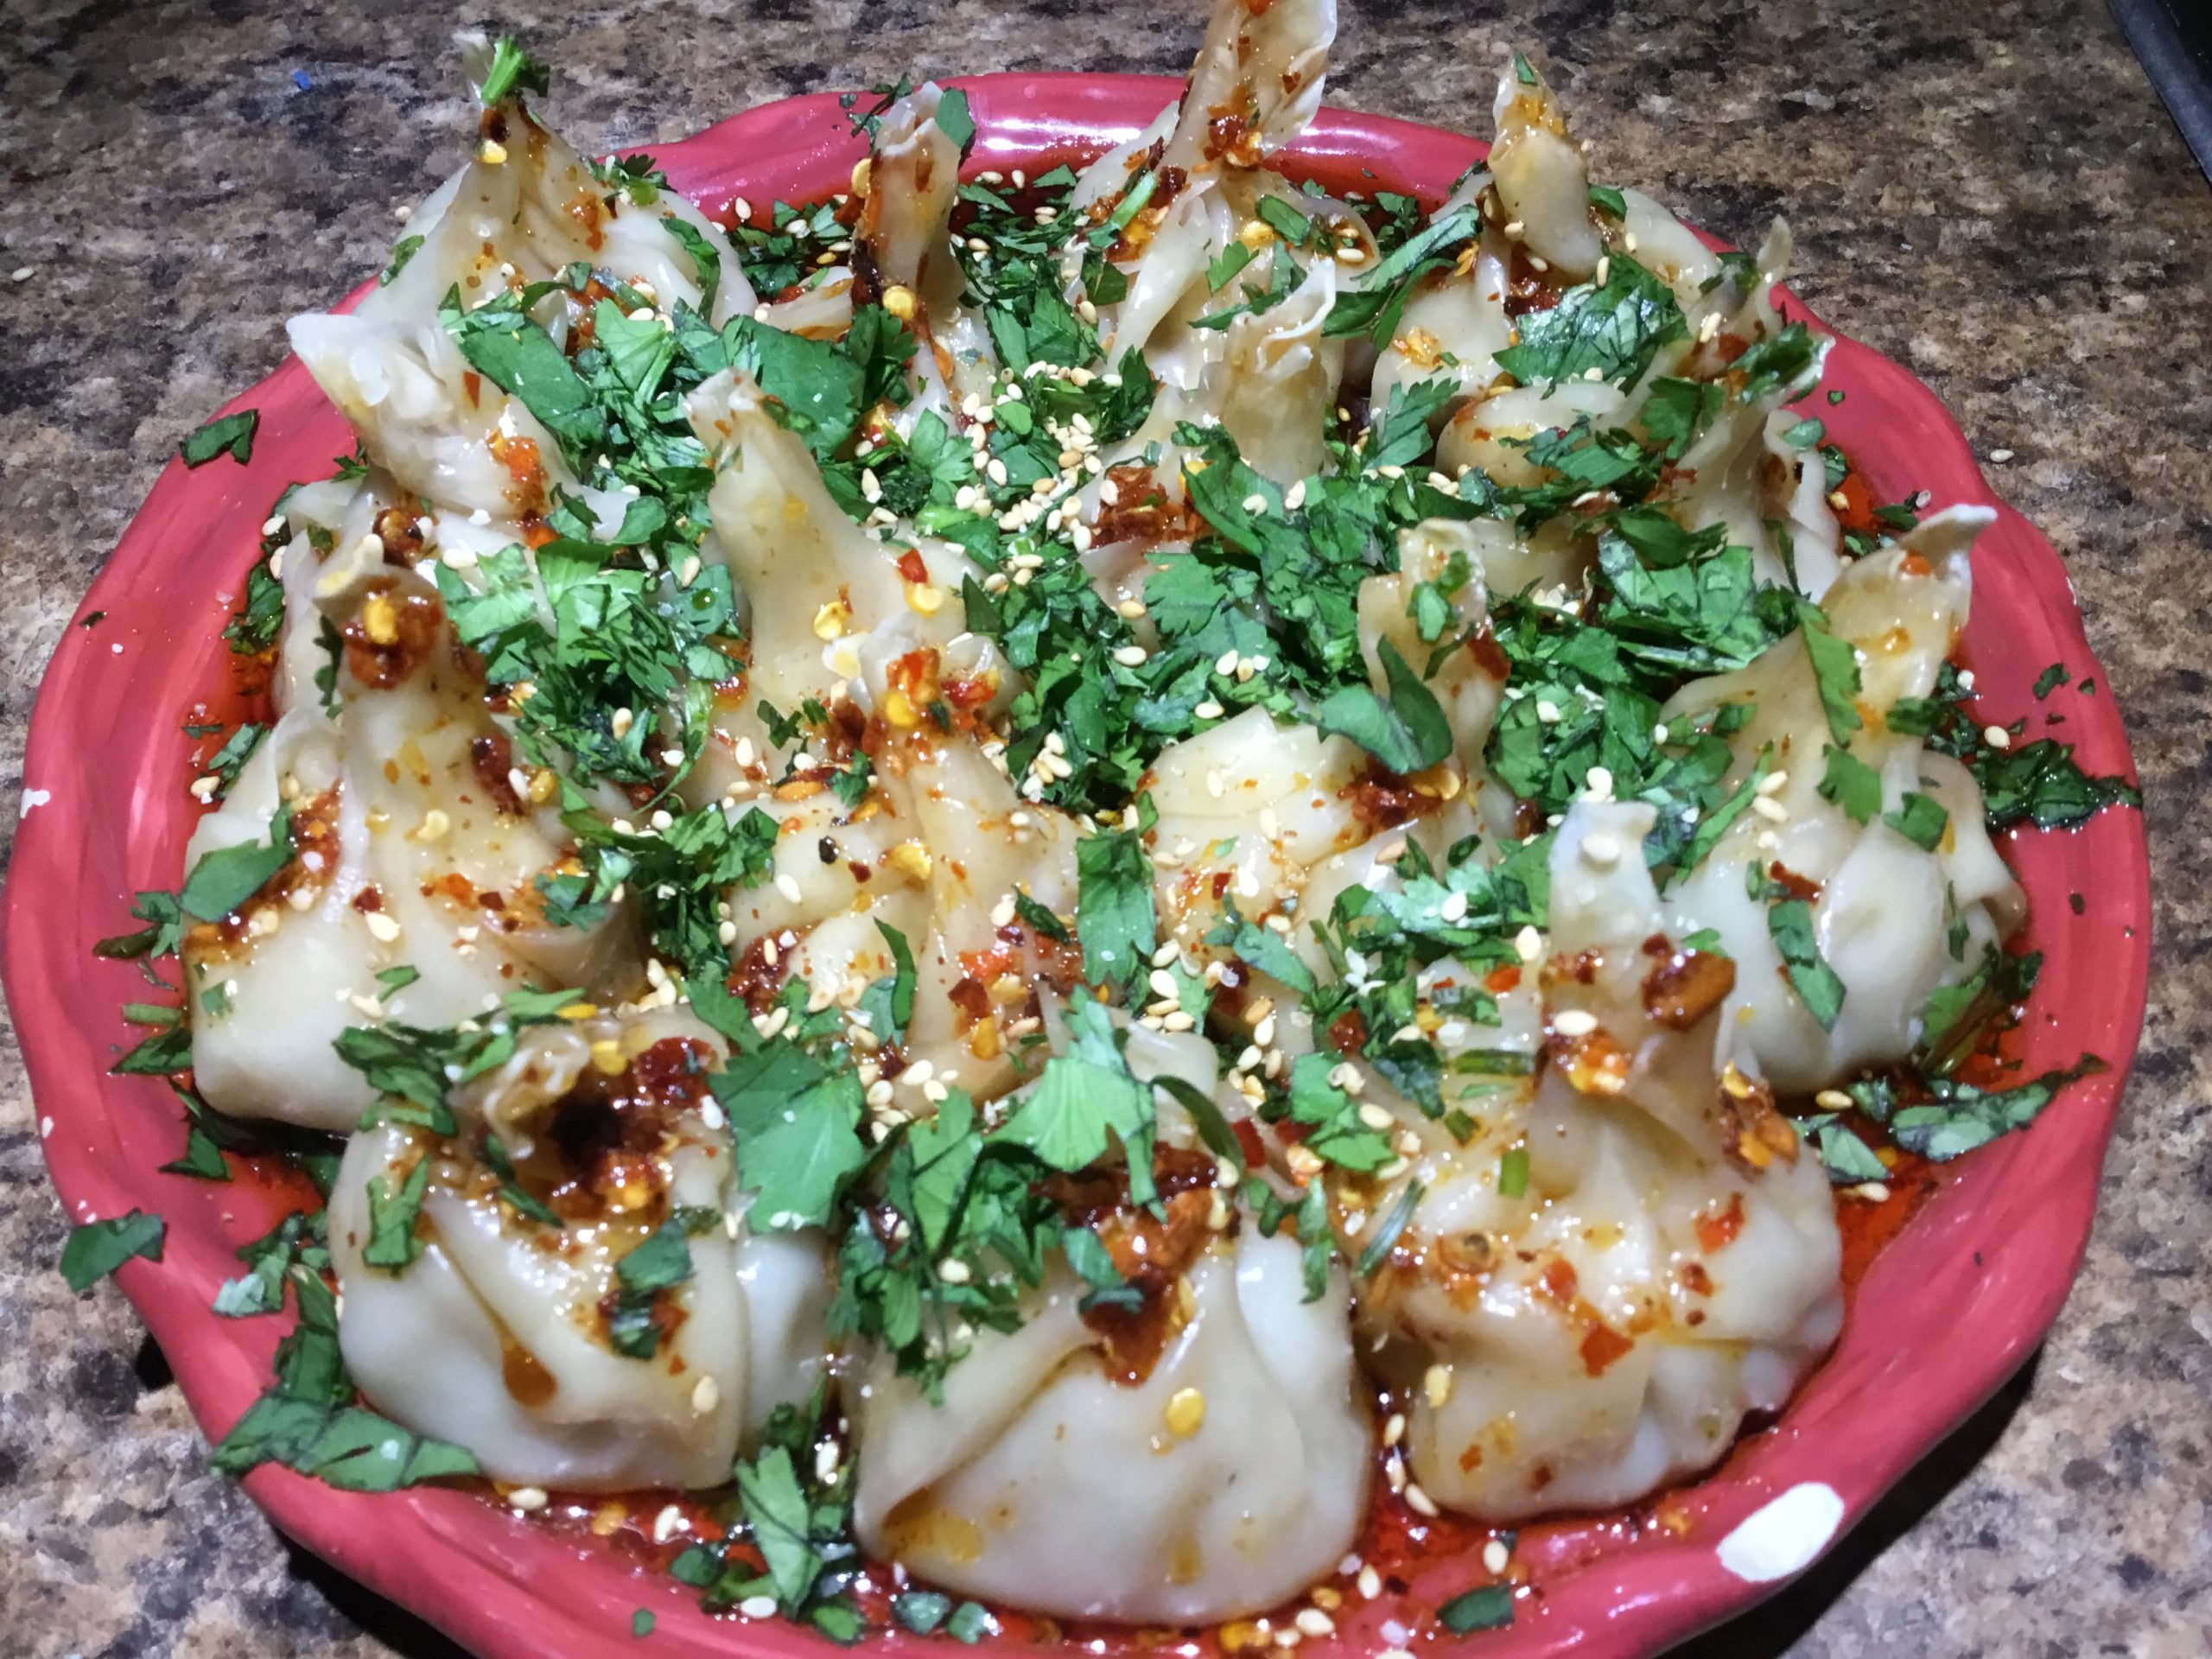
{"points": [[528, 1499], [1575, 1023], [706, 1395], [1186, 1410], [1997, 737], [1495, 1556]]}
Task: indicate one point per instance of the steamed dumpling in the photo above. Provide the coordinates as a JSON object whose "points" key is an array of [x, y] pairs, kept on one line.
{"points": [[412, 850], [1883, 906], [496, 1335], [524, 208], [1671, 1264], [1227, 1476]]}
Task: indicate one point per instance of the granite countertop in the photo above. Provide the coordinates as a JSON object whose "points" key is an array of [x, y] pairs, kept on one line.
{"points": [[1991, 194]]}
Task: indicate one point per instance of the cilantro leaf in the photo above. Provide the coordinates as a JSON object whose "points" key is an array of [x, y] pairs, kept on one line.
{"points": [[225, 878], [796, 1122], [1085, 1096], [393, 1212], [889, 1002], [96, 1248], [1487, 1607], [1960, 1116], [1114, 907], [1789, 922], [231, 435], [1851, 785], [1835, 671], [1338, 1134], [953, 118], [501, 342], [1407, 734], [513, 71], [1616, 328], [1919, 819]]}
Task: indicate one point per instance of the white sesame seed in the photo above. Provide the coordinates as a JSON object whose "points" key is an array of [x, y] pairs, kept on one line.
{"points": [[1575, 1023], [527, 1498], [1997, 737]]}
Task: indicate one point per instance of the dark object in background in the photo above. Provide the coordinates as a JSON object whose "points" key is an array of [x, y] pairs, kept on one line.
{"points": [[2174, 40]]}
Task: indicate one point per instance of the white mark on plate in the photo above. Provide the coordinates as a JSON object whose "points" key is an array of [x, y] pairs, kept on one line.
{"points": [[35, 798], [1784, 1537]]}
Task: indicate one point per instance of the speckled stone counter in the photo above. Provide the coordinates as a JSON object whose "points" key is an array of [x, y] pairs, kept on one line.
{"points": [[1990, 193]]}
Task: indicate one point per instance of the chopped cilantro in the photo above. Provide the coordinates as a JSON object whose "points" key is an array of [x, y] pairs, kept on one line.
{"points": [[1789, 921], [231, 436], [1616, 328], [513, 71], [1488, 1607], [96, 1248]]}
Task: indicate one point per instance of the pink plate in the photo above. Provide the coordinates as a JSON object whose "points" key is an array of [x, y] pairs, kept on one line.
{"points": [[1964, 1293]]}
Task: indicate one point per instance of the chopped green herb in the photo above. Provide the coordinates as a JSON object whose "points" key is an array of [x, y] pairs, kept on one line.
{"points": [[231, 435], [96, 1248]]}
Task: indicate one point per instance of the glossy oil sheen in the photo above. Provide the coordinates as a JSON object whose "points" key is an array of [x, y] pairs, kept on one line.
{"points": [[1948, 1310]]}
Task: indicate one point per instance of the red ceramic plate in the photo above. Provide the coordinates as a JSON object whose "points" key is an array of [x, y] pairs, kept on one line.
{"points": [[1949, 1309]]}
